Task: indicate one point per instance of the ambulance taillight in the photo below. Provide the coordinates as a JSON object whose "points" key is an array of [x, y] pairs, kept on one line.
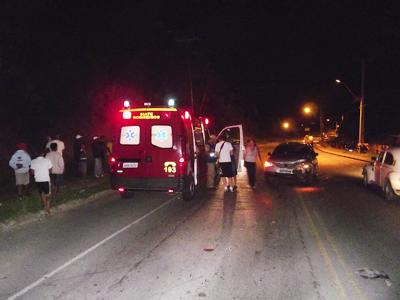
{"points": [[182, 165]]}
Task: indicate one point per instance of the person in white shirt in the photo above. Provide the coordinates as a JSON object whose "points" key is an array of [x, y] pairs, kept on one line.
{"points": [[20, 162], [59, 142], [41, 169], [57, 161], [223, 151], [251, 153]]}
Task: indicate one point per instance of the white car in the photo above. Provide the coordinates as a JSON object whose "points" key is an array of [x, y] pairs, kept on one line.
{"points": [[384, 172]]}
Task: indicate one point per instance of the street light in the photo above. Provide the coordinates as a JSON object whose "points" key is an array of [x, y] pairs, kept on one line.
{"points": [[285, 125], [362, 103], [307, 110], [338, 81]]}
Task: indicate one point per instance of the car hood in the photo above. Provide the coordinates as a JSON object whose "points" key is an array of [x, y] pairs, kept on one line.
{"points": [[287, 159]]}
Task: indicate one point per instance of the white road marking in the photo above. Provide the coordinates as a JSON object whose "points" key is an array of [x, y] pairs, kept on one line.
{"points": [[84, 253]]}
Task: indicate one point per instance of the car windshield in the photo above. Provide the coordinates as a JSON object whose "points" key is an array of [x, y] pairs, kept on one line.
{"points": [[290, 150]]}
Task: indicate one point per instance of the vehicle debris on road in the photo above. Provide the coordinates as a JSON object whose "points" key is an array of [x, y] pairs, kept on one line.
{"points": [[368, 273]]}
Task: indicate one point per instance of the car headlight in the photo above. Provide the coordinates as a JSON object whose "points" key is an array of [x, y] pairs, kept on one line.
{"points": [[304, 166], [268, 164]]}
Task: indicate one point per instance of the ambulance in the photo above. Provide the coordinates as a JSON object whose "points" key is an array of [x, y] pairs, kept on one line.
{"points": [[163, 149]]}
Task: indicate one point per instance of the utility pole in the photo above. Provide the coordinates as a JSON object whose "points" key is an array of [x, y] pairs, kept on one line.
{"points": [[362, 105]]}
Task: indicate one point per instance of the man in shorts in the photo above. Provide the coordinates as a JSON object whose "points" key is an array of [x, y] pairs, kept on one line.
{"points": [[57, 171], [41, 169], [20, 162], [224, 152]]}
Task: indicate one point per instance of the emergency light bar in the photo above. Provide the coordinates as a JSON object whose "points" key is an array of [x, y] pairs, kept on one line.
{"points": [[171, 102]]}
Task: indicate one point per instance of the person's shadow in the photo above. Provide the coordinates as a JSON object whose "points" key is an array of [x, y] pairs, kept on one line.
{"points": [[229, 208]]}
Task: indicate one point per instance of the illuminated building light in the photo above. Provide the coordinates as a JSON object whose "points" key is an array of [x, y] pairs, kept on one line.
{"points": [[170, 191], [121, 190], [147, 104], [127, 103], [126, 115], [206, 121], [186, 115], [182, 160]]}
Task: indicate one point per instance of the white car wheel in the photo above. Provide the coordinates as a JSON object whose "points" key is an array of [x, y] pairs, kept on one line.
{"points": [[365, 180], [389, 193]]}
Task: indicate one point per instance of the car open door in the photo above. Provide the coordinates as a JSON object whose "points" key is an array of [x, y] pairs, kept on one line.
{"points": [[234, 135]]}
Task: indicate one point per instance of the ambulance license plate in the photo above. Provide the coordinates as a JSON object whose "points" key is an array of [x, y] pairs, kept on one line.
{"points": [[130, 165]]}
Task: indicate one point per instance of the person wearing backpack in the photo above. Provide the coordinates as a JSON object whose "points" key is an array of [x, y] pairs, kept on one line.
{"points": [[224, 150]]}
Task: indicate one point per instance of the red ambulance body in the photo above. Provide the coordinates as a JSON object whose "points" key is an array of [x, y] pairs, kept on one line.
{"points": [[159, 149]]}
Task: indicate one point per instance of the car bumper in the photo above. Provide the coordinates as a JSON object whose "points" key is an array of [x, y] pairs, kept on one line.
{"points": [[297, 174]]}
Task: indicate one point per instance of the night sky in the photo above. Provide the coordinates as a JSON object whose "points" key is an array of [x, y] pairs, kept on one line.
{"points": [[64, 65]]}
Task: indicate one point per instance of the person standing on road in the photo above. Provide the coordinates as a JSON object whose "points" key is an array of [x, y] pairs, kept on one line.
{"points": [[41, 169], [251, 153], [224, 150], [211, 160], [57, 162], [20, 162]]}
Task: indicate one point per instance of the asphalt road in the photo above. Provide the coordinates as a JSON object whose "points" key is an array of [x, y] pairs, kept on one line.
{"points": [[286, 241]]}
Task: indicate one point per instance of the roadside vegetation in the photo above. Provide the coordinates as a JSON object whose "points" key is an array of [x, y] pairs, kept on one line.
{"points": [[11, 207]]}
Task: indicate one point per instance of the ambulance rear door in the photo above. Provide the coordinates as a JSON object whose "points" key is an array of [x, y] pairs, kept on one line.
{"points": [[162, 152], [131, 150]]}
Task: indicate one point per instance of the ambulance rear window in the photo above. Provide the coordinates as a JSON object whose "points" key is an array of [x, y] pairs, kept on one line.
{"points": [[130, 135], [161, 136]]}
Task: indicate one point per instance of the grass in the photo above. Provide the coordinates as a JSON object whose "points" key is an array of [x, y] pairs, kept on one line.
{"points": [[11, 207]]}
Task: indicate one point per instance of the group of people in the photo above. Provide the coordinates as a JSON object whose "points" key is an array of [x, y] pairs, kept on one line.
{"points": [[222, 161], [47, 170], [48, 167], [101, 151]]}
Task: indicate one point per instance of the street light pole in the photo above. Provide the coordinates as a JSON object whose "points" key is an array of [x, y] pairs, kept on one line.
{"points": [[362, 103]]}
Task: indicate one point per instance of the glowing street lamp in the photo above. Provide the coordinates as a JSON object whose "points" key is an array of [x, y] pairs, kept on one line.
{"points": [[361, 98], [311, 110], [307, 110], [285, 125]]}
